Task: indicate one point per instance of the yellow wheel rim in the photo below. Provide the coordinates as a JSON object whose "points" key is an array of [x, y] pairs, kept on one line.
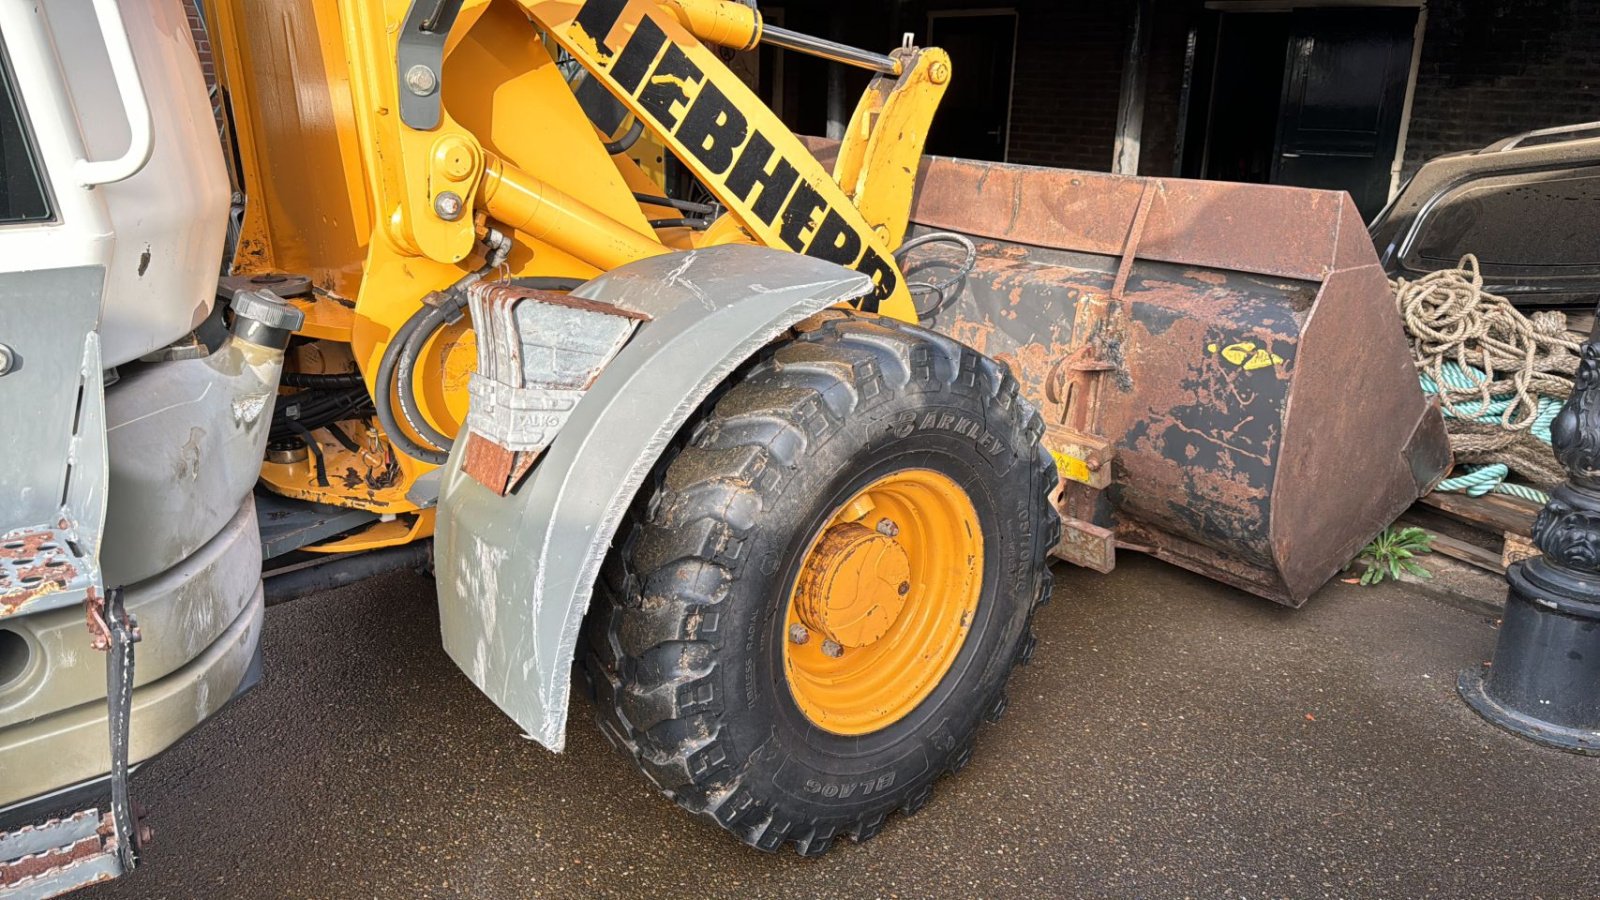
{"points": [[885, 596]]}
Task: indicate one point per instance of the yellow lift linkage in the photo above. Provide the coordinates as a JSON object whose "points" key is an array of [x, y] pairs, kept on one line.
{"points": [[504, 127]]}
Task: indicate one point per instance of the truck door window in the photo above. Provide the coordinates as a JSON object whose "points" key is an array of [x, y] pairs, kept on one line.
{"points": [[24, 197]]}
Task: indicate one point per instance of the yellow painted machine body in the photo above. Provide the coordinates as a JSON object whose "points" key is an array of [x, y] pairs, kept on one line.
{"points": [[342, 190]]}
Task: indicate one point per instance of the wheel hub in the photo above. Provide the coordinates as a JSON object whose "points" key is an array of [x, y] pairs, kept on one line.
{"points": [[882, 601], [854, 585]]}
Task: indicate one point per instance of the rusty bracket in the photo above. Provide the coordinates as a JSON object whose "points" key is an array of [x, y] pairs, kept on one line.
{"points": [[1080, 457], [94, 611], [1130, 247], [1074, 381], [95, 608], [1082, 453], [539, 352], [1086, 544], [113, 630]]}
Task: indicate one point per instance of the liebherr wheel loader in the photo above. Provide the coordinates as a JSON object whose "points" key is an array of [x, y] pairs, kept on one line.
{"points": [[780, 474]]}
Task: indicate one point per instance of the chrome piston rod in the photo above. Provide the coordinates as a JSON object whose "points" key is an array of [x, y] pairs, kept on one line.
{"points": [[829, 50]]}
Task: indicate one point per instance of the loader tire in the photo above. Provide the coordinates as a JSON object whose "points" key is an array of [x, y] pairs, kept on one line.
{"points": [[689, 648]]}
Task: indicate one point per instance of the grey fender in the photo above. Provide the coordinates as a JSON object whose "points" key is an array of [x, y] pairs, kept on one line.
{"points": [[515, 573]]}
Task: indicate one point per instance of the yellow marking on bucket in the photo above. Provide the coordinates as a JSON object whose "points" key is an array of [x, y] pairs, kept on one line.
{"points": [[1071, 467], [1247, 355]]}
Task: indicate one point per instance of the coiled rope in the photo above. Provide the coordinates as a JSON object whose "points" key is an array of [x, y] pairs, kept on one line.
{"points": [[1500, 376]]}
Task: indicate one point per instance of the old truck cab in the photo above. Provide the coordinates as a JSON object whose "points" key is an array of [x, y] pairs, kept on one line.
{"points": [[135, 408]]}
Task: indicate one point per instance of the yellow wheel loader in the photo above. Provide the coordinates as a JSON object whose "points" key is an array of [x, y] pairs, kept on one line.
{"points": [[779, 467]]}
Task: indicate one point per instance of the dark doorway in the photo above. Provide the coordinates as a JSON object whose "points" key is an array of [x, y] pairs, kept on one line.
{"points": [[974, 116], [1310, 97], [1243, 131]]}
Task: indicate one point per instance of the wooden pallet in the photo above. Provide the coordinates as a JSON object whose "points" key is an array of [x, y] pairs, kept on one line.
{"points": [[1500, 521]]}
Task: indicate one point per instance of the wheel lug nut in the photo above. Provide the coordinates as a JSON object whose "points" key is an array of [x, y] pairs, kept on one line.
{"points": [[830, 647], [798, 633], [888, 528]]}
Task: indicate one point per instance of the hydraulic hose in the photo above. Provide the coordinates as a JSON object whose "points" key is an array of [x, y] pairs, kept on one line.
{"points": [[937, 288], [625, 143], [397, 368], [499, 248], [316, 381], [686, 206], [385, 382], [317, 409]]}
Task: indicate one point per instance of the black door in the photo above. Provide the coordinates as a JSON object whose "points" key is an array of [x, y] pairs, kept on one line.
{"points": [[971, 121], [1343, 95]]}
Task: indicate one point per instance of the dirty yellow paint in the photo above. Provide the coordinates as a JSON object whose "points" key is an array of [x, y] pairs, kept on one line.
{"points": [[1071, 467], [1247, 355]]}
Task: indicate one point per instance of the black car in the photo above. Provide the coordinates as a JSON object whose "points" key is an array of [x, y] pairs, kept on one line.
{"points": [[1527, 206]]}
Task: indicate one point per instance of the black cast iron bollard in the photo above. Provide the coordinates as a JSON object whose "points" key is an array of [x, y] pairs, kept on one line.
{"points": [[1544, 683]]}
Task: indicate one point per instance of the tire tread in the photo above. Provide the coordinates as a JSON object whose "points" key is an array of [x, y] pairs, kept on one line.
{"points": [[651, 652]]}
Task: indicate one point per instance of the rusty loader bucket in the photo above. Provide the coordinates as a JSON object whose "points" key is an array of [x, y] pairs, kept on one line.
{"points": [[1224, 375]]}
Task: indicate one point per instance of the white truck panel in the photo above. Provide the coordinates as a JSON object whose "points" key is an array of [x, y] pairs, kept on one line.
{"points": [[170, 218]]}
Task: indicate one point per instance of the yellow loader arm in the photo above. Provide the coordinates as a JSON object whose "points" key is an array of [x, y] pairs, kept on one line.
{"points": [[457, 119], [650, 56]]}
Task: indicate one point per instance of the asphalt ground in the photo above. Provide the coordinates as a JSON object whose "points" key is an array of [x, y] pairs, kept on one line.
{"points": [[1173, 738]]}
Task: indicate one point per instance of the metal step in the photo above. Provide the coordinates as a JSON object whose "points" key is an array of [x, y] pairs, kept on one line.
{"points": [[43, 568], [58, 856]]}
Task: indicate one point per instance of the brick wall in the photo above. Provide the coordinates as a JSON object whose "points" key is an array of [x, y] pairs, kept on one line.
{"points": [[1493, 68], [1068, 78], [202, 43]]}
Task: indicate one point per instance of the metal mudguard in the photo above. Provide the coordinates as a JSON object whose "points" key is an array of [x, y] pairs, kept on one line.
{"points": [[515, 573]]}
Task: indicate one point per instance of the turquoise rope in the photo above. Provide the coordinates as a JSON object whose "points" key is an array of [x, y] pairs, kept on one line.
{"points": [[1468, 378], [1491, 479], [1479, 480]]}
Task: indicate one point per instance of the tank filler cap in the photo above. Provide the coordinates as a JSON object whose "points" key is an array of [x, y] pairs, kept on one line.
{"points": [[262, 317], [268, 309]]}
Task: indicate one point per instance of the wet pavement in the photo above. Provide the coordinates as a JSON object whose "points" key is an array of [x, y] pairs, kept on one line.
{"points": [[1172, 738]]}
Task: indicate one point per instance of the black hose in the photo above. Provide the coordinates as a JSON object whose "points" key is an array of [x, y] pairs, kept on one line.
{"points": [[316, 451], [688, 206], [314, 409], [625, 143], [444, 314], [322, 409], [385, 381], [938, 288], [433, 319], [306, 406], [319, 381]]}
